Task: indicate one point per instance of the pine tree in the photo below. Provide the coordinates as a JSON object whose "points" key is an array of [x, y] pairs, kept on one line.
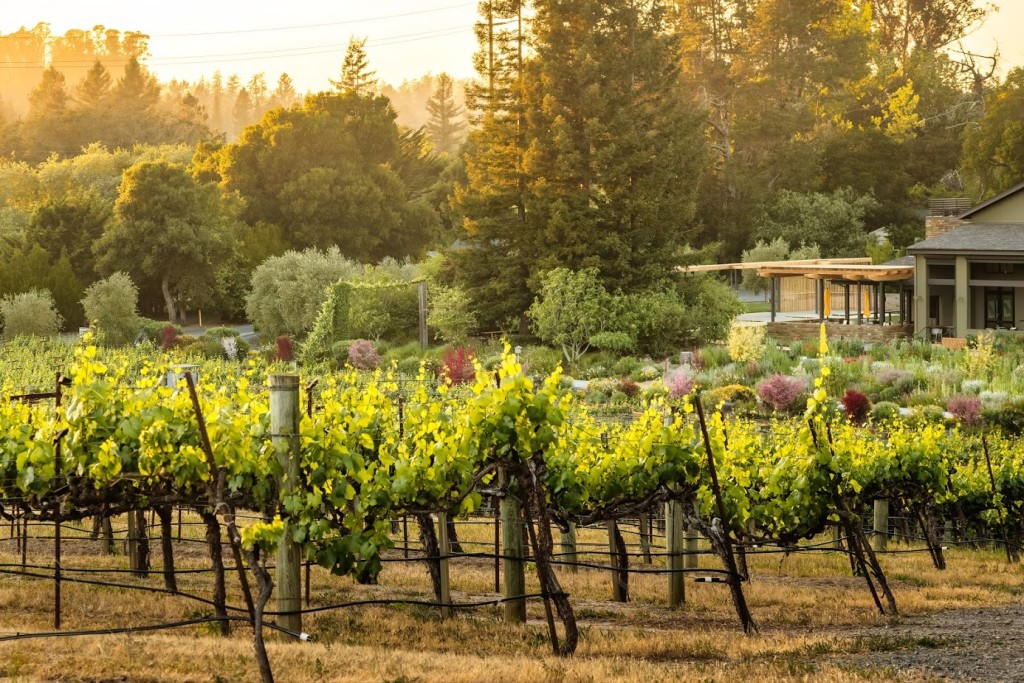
{"points": [[616, 149], [95, 87], [445, 123], [48, 127], [284, 94], [493, 200], [356, 76], [242, 112]]}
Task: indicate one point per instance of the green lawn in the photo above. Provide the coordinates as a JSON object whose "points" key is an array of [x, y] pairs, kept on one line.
{"points": [[756, 307]]}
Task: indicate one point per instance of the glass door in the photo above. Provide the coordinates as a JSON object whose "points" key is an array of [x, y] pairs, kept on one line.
{"points": [[999, 308]]}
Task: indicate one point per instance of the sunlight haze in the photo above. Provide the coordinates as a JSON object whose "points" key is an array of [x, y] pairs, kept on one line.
{"points": [[406, 38]]}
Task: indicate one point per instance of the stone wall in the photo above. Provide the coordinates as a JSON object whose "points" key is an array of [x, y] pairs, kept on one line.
{"points": [[793, 331], [940, 225]]}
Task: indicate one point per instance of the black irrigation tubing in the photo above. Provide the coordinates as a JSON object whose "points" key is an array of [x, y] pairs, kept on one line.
{"points": [[157, 572], [422, 603], [637, 570], [141, 629]]}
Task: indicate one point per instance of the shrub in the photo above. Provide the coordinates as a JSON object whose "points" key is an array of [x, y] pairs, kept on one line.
{"points": [[450, 315], [284, 350], [746, 343], [596, 397], [169, 337], [410, 365], [604, 386], [111, 306], [735, 393], [154, 329], [993, 400], [1009, 418], [628, 387], [885, 411], [714, 357], [781, 392], [626, 365], [618, 398], [288, 291], [620, 342], [382, 307], [458, 366], [680, 383], [31, 313], [965, 409], [972, 386], [362, 355], [540, 360], [646, 374], [856, 406]]}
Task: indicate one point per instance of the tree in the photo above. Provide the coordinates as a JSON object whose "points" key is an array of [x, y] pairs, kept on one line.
{"points": [[835, 222], [111, 306], [95, 88], [335, 171], [445, 123], [570, 310], [168, 229], [48, 125], [776, 250], [70, 225], [284, 94], [450, 315], [994, 148], [356, 76]]}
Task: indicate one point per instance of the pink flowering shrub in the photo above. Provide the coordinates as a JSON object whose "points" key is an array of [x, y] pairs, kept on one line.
{"points": [[966, 409], [781, 392], [680, 384], [362, 355]]}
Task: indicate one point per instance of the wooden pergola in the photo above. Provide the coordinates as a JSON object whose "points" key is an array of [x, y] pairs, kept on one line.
{"points": [[847, 275], [847, 272]]}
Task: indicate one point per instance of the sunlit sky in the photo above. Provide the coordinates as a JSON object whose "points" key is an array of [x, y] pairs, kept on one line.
{"points": [[307, 38]]}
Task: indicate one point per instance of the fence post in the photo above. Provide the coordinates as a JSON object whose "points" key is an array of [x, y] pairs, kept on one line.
{"points": [[674, 546], [620, 585], [645, 537], [881, 526], [837, 536], [421, 297], [512, 549], [444, 550], [284, 427], [568, 538]]}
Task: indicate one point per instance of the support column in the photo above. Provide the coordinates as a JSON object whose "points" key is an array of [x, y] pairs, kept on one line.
{"points": [[881, 303], [920, 312], [846, 302], [821, 300], [962, 305], [774, 301], [860, 304]]}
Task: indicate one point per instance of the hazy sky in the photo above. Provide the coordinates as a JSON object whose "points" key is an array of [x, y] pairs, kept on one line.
{"points": [[307, 38]]}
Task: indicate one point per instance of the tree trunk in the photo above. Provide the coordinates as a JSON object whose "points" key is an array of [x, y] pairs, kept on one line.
{"points": [[165, 287], [431, 550]]}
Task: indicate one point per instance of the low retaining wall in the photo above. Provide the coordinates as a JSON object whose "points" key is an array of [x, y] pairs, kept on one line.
{"points": [[792, 331]]}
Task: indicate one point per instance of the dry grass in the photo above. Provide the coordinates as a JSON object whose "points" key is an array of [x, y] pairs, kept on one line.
{"points": [[808, 607]]}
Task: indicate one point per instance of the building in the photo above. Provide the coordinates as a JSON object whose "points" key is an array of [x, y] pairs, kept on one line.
{"points": [[969, 270]]}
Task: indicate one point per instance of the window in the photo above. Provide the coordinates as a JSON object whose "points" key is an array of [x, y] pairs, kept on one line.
{"points": [[1000, 311], [999, 268]]}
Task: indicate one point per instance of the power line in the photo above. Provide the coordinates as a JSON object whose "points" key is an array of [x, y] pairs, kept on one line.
{"points": [[307, 26], [280, 53]]}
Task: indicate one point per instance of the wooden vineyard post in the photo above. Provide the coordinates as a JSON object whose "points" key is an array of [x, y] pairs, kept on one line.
{"points": [[444, 550], [568, 543], [690, 544], [674, 544], [56, 516], [284, 426], [645, 537], [421, 296], [881, 526], [837, 536], [620, 578], [512, 549]]}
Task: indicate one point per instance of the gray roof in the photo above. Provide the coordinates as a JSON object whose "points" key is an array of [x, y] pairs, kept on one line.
{"points": [[975, 238], [900, 262]]}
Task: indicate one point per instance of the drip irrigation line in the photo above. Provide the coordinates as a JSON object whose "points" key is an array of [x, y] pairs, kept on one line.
{"points": [[141, 629], [422, 603]]}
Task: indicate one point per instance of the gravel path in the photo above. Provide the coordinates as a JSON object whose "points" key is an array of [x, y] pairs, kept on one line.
{"points": [[963, 645]]}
